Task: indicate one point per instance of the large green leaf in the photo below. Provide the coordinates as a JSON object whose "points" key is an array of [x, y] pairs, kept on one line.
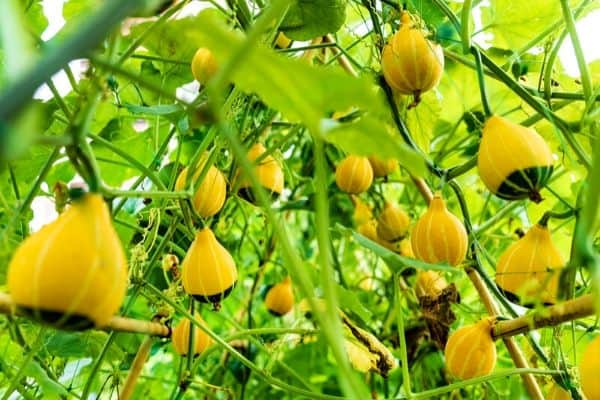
{"points": [[307, 19]]}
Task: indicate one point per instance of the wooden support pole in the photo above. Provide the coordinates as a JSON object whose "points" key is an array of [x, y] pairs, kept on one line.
{"points": [[117, 324], [579, 307], [136, 369]]}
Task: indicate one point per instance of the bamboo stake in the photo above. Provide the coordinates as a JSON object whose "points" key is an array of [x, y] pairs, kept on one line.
{"points": [[116, 323], [579, 307], [136, 368]]}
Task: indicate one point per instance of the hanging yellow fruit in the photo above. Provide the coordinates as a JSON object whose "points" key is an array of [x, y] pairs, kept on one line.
{"points": [[72, 273], [430, 283], [392, 223], [354, 174], [589, 366], [528, 270], [268, 171], [369, 230], [181, 337], [208, 270], [381, 167], [471, 351], [210, 194], [514, 161], [439, 236], [204, 65], [280, 298], [411, 64], [558, 393], [362, 211]]}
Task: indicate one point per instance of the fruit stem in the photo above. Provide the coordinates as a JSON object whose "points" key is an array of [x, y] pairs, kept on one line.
{"points": [[556, 215], [480, 78]]}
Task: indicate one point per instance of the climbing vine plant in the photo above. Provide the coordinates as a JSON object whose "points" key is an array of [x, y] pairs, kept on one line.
{"points": [[317, 199]]}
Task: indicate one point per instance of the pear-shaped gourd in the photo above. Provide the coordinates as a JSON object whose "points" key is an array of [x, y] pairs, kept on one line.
{"points": [[392, 223], [527, 271], [369, 230], [589, 365], [439, 236], [354, 174], [430, 283], [181, 337], [280, 298], [470, 351], [72, 273], [411, 64], [204, 65], [210, 193], [381, 167], [268, 171], [208, 270], [362, 211], [514, 161], [558, 393]]}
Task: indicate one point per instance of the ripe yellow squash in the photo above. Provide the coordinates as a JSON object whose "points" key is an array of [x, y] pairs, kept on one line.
{"points": [[589, 365], [392, 223], [208, 270], [430, 283], [528, 270], [362, 211], [180, 336], [369, 230], [210, 194], [514, 161], [411, 63], [72, 273], [471, 351], [280, 298], [267, 170], [381, 167], [204, 65], [439, 236], [354, 174]]}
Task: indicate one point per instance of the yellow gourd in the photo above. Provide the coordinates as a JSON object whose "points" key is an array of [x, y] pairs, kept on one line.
{"points": [[280, 298], [208, 270], [430, 283], [470, 351], [558, 393], [381, 167], [514, 161], [210, 194], [411, 64], [369, 230], [72, 273], [268, 171], [589, 365], [528, 269], [392, 223], [406, 248], [181, 337], [204, 65], [362, 211], [354, 174], [439, 235]]}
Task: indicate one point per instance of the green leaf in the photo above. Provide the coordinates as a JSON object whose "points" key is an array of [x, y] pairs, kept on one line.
{"points": [[349, 302], [307, 19], [49, 387], [368, 136]]}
